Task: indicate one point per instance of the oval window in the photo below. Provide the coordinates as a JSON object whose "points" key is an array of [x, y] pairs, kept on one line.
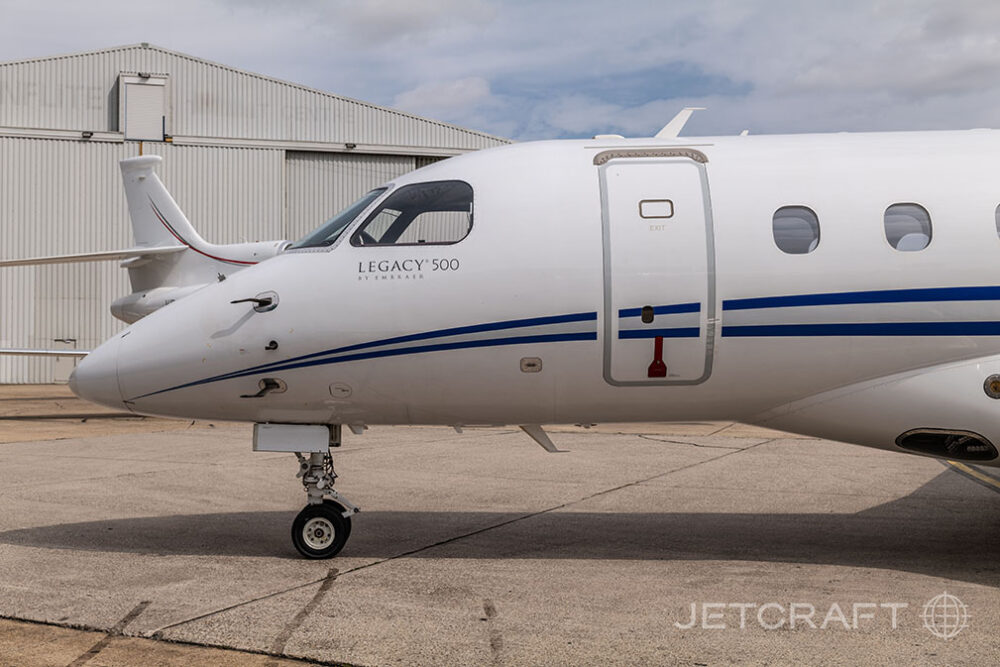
{"points": [[907, 227], [796, 229], [996, 215]]}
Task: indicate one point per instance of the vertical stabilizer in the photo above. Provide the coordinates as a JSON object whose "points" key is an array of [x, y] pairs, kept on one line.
{"points": [[156, 218], [160, 277]]}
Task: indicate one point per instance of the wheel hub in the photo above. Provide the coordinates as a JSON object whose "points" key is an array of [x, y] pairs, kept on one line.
{"points": [[318, 533]]}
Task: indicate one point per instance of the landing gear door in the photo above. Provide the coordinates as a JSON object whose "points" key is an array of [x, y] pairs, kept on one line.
{"points": [[659, 268]]}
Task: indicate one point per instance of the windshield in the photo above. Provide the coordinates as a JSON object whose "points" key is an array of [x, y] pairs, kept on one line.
{"points": [[330, 231], [438, 212]]}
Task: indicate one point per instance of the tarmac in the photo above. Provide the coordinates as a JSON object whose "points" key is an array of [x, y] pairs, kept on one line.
{"points": [[128, 540]]}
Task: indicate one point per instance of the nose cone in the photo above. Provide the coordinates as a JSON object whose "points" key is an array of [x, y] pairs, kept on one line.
{"points": [[96, 376]]}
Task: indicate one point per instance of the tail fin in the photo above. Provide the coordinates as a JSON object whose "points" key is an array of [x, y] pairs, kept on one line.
{"points": [[157, 220], [159, 278], [170, 259]]}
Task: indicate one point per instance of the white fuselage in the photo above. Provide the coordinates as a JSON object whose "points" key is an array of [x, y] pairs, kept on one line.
{"points": [[854, 341]]}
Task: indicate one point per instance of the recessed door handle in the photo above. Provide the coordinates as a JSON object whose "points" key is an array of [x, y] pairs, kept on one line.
{"points": [[262, 303], [267, 385]]}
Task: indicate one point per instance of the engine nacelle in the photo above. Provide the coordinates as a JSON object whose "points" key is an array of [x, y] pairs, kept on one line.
{"points": [[137, 305], [950, 411]]}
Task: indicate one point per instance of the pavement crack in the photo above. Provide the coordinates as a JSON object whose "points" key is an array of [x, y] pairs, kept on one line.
{"points": [[496, 638], [281, 640], [115, 631], [157, 633], [555, 508], [684, 442]]}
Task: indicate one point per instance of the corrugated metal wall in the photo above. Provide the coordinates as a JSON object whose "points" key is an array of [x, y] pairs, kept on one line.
{"points": [[61, 197], [57, 197], [424, 160], [319, 185], [231, 195], [79, 92]]}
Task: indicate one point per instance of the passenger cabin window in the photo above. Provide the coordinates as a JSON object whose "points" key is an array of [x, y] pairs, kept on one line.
{"points": [[438, 213], [907, 227], [996, 214], [796, 229]]}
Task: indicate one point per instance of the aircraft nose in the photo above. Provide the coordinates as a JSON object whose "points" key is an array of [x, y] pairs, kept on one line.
{"points": [[96, 376]]}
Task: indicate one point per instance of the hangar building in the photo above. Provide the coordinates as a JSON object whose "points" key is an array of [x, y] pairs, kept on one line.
{"points": [[247, 157]]}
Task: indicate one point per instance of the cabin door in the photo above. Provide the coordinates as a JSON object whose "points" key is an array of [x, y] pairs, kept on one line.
{"points": [[659, 267]]}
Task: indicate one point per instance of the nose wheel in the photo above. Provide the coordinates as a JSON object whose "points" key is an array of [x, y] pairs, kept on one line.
{"points": [[321, 529]]}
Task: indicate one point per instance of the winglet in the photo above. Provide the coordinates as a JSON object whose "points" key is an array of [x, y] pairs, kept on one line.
{"points": [[672, 129]]}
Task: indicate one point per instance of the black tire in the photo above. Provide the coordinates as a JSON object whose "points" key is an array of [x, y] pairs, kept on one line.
{"points": [[321, 531], [341, 509]]}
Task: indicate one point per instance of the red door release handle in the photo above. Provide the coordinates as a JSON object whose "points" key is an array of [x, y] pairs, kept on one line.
{"points": [[658, 369]]}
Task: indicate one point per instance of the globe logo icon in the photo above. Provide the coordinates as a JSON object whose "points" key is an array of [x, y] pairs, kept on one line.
{"points": [[945, 616]]}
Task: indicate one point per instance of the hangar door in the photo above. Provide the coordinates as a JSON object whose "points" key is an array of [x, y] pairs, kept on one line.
{"points": [[319, 185], [659, 267]]}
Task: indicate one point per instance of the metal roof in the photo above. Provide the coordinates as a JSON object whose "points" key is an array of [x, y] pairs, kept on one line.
{"points": [[208, 99]]}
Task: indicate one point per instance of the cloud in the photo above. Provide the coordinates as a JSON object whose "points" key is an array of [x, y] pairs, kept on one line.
{"points": [[542, 68], [446, 97], [384, 20]]}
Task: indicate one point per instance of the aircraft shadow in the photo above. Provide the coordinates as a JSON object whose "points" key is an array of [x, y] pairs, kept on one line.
{"points": [[952, 536]]}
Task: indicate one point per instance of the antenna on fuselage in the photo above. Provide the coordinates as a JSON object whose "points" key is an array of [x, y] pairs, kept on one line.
{"points": [[672, 129]]}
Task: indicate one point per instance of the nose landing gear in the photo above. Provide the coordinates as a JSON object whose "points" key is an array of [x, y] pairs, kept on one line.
{"points": [[321, 529]]}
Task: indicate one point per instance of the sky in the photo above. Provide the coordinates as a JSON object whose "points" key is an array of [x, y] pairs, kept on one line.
{"points": [[544, 69]]}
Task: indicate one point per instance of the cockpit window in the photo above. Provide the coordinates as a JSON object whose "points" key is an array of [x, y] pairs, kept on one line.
{"points": [[438, 212], [330, 231]]}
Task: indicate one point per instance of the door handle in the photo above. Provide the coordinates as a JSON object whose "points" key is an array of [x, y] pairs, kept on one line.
{"points": [[267, 386], [262, 303]]}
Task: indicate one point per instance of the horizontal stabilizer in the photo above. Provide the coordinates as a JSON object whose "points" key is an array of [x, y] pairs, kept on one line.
{"points": [[43, 353], [106, 255]]}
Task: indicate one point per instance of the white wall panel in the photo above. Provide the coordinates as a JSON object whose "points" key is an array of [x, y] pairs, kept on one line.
{"points": [[319, 185], [230, 195], [145, 111], [17, 319], [58, 197]]}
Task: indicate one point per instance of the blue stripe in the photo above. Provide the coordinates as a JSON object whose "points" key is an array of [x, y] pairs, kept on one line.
{"points": [[679, 332], [984, 293], [438, 347], [866, 329], [663, 310], [425, 335]]}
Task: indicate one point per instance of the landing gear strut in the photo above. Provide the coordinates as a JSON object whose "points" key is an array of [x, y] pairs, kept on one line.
{"points": [[321, 529]]}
